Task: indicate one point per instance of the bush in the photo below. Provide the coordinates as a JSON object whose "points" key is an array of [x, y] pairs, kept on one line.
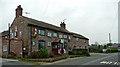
{"points": [[28, 57], [79, 52], [111, 50], [11, 55], [34, 54], [51, 55], [43, 53]]}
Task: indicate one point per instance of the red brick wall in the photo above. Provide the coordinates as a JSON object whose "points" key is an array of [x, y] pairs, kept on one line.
{"points": [[16, 47]]}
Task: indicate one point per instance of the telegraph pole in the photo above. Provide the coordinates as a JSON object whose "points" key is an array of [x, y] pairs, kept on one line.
{"points": [[109, 38], [110, 42], [9, 39]]}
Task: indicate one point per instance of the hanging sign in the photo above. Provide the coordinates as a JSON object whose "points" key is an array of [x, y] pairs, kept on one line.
{"points": [[35, 31]]}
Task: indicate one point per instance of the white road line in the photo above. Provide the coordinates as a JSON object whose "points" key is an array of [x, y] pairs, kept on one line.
{"points": [[97, 60]]}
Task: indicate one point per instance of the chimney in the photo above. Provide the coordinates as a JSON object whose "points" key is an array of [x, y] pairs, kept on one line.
{"points": [[63, 25], [18, 11]]}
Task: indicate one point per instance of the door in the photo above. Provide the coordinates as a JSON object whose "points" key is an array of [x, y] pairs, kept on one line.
{"points": [[55, 48]]}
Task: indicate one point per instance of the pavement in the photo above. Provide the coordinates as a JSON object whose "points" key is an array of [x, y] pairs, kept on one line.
{"points": [[4, 61]]}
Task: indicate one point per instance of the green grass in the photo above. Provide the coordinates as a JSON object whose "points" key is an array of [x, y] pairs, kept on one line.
{"points": [[36, 63]]}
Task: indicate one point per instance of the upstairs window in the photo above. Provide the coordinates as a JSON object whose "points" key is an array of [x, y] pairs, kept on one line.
{"points": [[77, 39], [84, 41], [60, 36], [65, 36], [49, 34], [54, 34], [41, 32]]}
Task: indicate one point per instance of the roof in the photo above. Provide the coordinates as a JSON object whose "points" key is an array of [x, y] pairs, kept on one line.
{"points": [[57, 40], [50, 26], [4, 33], [79, 36], [45, 25]]}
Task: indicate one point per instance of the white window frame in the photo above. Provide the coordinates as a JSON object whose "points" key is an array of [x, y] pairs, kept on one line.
{"points": [[55, 35], [60, 36], [5, 48], [77, 39], [65, 36], [49, 34], [49, 43]]}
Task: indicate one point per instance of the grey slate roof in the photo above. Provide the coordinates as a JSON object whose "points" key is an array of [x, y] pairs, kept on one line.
{"points": [[80, 36], [45, 25]]}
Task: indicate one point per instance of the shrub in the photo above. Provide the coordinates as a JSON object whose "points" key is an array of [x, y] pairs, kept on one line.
{"points": [[27, 57], [11, 55], [34, 54], [79, 52], [51, 55], [112, 50], [43, 53]]}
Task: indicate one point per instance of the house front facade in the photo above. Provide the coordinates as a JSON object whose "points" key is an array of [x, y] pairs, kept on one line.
{"points": [[28, 35]]}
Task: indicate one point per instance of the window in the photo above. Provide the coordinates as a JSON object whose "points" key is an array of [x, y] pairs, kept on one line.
{"points": [[79, 46], [41, 32], [54, 34], [49, 43], [77, 39], [12, 35], [85, 47], [5, 48], [65, 46], [15, 33], [33, 43], [49, 34], [38, 31], [65, 36], [60, 36], [84, 41], [20, 33], [41, 45]]}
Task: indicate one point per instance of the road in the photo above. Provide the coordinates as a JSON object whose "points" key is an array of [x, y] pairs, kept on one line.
{"points": [[94, 59]]}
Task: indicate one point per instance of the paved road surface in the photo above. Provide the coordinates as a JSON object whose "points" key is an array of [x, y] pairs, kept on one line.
{"points": [[95, 59]]}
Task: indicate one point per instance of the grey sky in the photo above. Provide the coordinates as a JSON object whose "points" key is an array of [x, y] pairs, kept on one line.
{"points": [[91, 18]]}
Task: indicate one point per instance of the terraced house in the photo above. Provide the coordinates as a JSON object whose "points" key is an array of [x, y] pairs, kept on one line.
{"points": [[28, 35]]}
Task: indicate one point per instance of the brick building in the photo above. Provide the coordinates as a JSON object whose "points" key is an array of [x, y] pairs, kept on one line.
{"points": [[28, 35]]}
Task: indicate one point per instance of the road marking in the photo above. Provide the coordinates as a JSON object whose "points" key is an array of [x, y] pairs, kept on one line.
{"points": [[97, 60], [109, 62]]}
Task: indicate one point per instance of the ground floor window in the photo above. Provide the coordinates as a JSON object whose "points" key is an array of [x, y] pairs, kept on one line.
{"points": [[5, 48], [65, 46], [41, 44]]}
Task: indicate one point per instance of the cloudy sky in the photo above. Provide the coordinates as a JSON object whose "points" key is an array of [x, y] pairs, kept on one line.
{"points": [[94, 19]]}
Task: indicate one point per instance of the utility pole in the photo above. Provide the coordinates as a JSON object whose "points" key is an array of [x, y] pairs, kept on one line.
{"points": [[110, 42], [109, 38], [9, 39]]}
